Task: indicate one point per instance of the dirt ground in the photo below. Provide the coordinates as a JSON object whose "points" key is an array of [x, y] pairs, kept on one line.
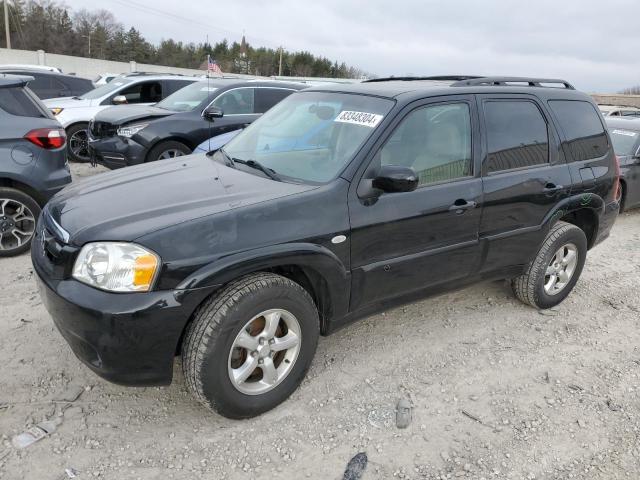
{"points": [[499, 390]]}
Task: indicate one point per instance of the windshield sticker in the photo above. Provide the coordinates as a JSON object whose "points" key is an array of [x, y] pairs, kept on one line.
{"points": [[365, 119], [625, 132]]}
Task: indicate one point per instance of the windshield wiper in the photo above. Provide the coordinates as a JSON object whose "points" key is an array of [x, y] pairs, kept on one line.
{"points": [[258, 166], [230, 161]]}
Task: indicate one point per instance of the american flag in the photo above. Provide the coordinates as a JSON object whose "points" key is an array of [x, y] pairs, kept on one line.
{"points": [[212, 66]]}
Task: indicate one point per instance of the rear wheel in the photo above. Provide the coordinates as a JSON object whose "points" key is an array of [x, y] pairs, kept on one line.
{"points": [[250, 346], [168, 150], [553, 273], [78, 142], [18, 215]]}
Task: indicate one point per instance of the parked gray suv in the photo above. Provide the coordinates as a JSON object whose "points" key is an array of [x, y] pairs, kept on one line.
{"points": [[33, 166]]}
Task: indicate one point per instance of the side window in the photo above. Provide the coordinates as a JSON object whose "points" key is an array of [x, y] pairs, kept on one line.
{"points": [[435, 141], [517, 135], [236, 102], [172, 86], [16, 101], [143, 92], [268, 97], [41, 84], [584, 132]]}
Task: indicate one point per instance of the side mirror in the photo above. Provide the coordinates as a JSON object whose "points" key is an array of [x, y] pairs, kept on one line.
{"points": [[212, 112], [396, 178], [119, 100]]}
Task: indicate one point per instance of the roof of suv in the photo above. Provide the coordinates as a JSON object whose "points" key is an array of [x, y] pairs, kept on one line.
{"points": [[409, 87], [14, 80], [27, 71]]}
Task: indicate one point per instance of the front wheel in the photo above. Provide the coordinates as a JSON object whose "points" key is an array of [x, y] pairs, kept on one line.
{"points": [[78, 142], [168, 150], [250, 346], [554, 271]]}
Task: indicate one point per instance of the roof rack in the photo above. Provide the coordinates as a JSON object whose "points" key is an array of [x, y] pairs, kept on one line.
{"points": [[453, 78], [512, 81]]}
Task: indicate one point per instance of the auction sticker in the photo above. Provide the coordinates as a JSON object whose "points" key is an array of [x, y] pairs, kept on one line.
{"points": [[365, 119], [628, 133]]}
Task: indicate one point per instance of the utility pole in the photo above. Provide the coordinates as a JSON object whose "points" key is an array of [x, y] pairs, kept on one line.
{"points": [[6, 23], [89, 37], [280, 66]]}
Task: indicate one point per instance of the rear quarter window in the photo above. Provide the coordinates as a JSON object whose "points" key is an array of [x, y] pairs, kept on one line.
{"points": [[585, 135], [16, 101]]}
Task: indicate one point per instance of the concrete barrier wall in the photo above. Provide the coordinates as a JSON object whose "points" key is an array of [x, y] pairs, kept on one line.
{"points": [[617, 99], [87, 67]]}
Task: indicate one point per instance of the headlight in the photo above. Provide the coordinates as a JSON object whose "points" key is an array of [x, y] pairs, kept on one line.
{"points": [[116, 267], [130, 130], [56, 110]]}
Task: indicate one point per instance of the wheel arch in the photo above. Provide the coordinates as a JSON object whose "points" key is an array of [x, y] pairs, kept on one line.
{"points": [[318, 270], [10, 182], [581, 210]]}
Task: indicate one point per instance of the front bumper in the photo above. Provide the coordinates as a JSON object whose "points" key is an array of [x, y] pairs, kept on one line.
{"points": [[128, 339], [116, 152]]}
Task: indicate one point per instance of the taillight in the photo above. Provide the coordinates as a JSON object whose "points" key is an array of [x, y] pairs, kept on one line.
{"points": [[48, 138], [616, 183]]}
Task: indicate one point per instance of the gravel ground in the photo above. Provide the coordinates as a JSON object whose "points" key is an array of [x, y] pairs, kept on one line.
{"points": [[498, 389]]}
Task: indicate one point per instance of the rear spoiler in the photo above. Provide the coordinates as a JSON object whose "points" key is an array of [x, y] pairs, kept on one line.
{"points": [[7, 80]]}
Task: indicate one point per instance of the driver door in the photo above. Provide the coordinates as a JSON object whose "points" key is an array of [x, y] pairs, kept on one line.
{"points": [[409, 241]]}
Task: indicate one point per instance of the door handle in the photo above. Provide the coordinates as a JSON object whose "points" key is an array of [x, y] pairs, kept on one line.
{"points": [[551, 187], [461, 205]]}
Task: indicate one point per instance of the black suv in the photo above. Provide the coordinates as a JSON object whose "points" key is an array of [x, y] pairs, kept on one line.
{"points": [[134, 134], [339, 201], [52, 84]]}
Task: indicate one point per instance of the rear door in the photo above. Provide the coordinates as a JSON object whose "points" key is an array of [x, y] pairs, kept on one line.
{"points": [[586, 147], [409, 241], [524, 176]]}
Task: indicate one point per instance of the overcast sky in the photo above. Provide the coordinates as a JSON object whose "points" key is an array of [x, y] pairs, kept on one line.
{"points": [[593, 44]]}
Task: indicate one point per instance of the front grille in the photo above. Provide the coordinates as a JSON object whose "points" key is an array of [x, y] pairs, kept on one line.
{"points": [[52, 254], [102, 129]]}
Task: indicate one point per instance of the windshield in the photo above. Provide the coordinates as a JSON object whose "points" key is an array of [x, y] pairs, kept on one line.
{"points": [[310, 136], [188, 98], [624, 141], [105, 90]]}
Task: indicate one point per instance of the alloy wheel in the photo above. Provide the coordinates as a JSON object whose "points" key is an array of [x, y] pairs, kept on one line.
{"points": [[264, 352], [17, 224], [561, 269], [171, 153], [79, 144]]}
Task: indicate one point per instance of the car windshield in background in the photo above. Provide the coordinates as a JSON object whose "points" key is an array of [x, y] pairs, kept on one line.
{"points": [[187, 98], [310, 136], [625, 142], [105, 89]]}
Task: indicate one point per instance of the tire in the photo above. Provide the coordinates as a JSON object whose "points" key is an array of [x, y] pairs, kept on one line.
{"points": [[18, 213], [209, 359], [167, 150], [78, 143], [623, 196], [535, 287]]}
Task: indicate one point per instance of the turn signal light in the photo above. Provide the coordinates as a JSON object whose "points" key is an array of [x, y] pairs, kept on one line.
{"points": [[47, 138]]}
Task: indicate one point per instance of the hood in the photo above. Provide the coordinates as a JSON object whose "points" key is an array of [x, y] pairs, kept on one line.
{"points": [[135, 201], [67, 102], [122, 114]]}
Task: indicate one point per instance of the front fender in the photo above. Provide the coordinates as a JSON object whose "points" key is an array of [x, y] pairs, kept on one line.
{"points": [[322, 261]]}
